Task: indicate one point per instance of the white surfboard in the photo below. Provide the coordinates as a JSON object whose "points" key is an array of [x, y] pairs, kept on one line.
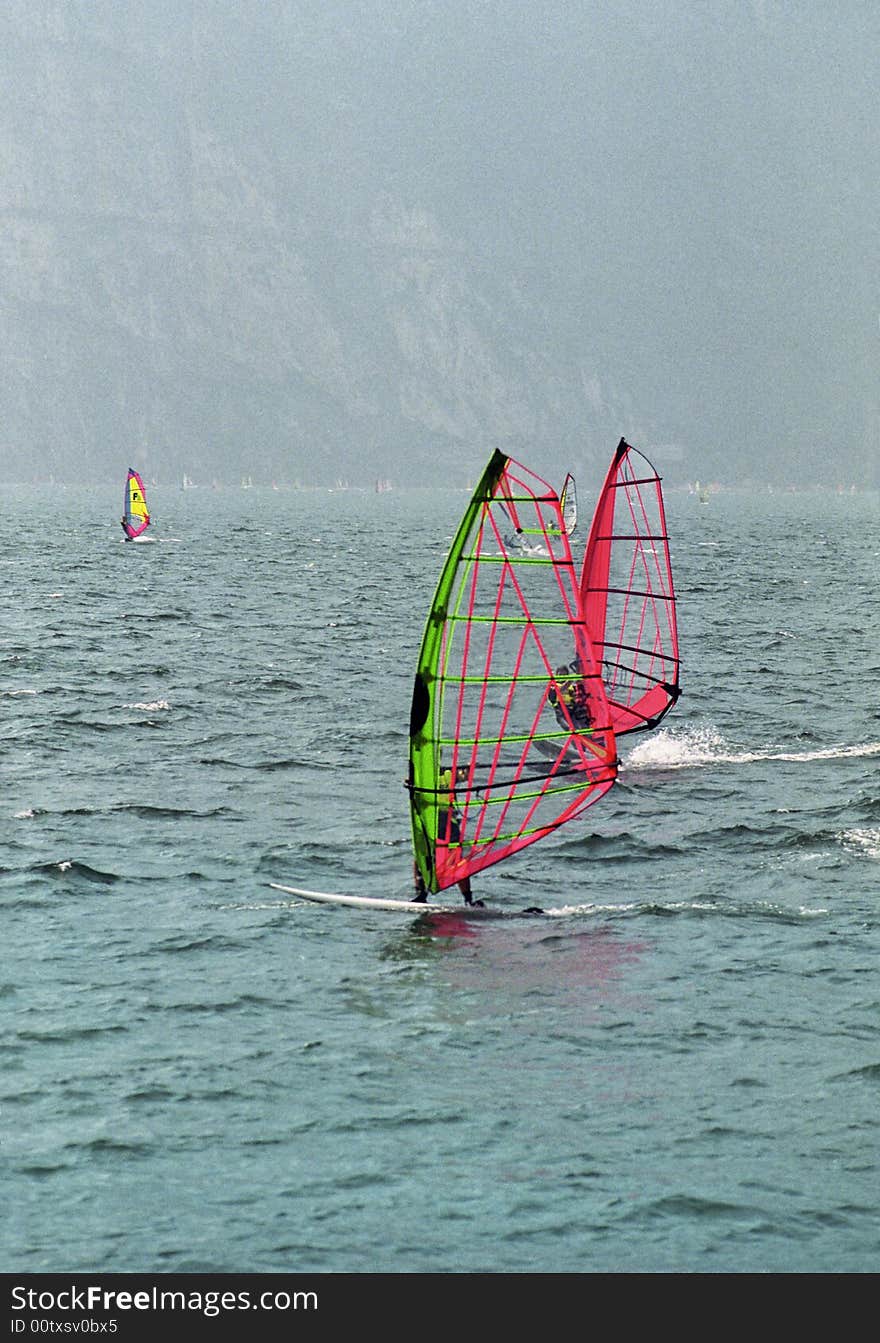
{"points": [[413, 907], [374, 902]]}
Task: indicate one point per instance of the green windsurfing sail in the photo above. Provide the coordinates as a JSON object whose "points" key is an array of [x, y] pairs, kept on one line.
{"points": [[510, 729]]}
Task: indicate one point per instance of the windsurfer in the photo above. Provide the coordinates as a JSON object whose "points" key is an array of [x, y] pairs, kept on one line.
{"points": [[569, 698], [421, 895], [448, 833]]}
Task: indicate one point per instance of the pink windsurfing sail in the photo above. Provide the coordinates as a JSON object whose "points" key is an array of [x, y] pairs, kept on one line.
{"points": [[510, 730], [627, 594], [135, 518]]}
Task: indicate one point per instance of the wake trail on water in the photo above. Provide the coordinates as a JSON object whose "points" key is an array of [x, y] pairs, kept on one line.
{"points": [[689, 749]]}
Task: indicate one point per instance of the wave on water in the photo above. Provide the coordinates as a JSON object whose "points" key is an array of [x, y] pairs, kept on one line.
{"points": [[152, 706], [70, 867], [677, 749]]}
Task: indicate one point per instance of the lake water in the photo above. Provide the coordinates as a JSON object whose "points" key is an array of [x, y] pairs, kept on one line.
{"points": [[199, 1074]]}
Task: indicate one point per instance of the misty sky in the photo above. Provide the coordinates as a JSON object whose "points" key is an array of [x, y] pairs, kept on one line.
{"points": [[684, 194]]}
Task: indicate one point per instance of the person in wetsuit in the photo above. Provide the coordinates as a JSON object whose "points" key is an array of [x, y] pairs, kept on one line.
{"points": [[569, 694], [448, 832]]}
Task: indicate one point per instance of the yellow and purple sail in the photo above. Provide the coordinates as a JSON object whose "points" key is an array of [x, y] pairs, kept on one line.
{"points": [[135, 518], [628, 596], [511, 733]]}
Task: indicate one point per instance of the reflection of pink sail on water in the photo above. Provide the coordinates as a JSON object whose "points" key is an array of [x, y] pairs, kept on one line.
{"points": [[135, 518], [627, 594]]}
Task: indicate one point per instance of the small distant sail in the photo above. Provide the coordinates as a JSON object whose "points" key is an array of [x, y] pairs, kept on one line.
{"points": [[507, 741], [135, 518], [627, 594], [569, 503]]}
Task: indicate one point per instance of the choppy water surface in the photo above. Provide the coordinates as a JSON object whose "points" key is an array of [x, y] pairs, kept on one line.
{"points": [[199, 1074]]}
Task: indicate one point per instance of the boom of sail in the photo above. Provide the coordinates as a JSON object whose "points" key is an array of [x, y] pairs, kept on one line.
{"points": [[627, 594], [511, 733]]}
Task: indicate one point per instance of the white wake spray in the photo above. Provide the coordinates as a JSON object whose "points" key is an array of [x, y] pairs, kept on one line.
{"points": [[685, 749]]}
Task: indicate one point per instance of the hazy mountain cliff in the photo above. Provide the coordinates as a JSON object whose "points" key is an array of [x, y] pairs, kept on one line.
{"points": [[313, 240]]}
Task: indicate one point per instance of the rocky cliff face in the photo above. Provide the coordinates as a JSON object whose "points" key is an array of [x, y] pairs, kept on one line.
{"points": [[178, 292], [323, 239]]}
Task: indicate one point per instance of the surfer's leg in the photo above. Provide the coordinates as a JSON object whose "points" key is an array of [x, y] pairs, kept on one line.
{"points": [[421, 894], [465, 888]]}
